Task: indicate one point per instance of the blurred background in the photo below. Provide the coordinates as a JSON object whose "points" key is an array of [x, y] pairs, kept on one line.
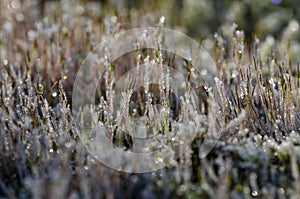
{"points": [[197, 18]]}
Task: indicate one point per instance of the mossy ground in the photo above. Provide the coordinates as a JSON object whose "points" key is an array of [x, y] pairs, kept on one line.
{"points": [[255, 90]]}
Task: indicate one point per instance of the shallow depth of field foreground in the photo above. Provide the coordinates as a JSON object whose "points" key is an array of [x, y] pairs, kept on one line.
{"points": [[220, 121]]}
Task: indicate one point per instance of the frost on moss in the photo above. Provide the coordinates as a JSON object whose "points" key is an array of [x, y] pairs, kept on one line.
{"points": [[253, 100]]}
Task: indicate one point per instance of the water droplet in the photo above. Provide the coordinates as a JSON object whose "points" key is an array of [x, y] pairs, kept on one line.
{"points": [[162, 19], [15, 4], [6, 101], [114, 19], [65, 30], [32, 35], [20, 17], [8, 27], [294, 26], [281, 190], [79, 10], [68, 144], [204, 72], [254, 193], [160, 159], [222, 169], [5, 62], [39, 25], [40, 88]]}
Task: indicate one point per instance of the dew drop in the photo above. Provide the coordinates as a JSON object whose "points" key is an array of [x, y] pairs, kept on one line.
{"points": [[182, 188], [5, 62], [204, 72], [39, 25], [15, 4], [79, 10], [160, 159], [281, 190], [20, 17], [294, 26], [222, 169], [6, 101], [68, 144], [162, 19], [254, 193], [114, 19]]}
